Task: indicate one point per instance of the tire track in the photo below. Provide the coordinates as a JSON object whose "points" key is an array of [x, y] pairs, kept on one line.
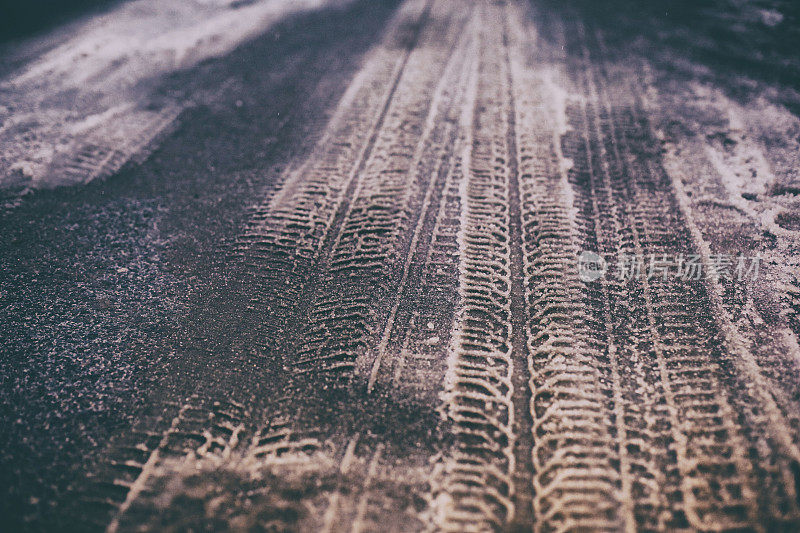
{"points": [[640, 420], [575, 479], [424, 324], [200, 430], [397, 474], [288, 236], [714, 476], [420, 330], [520, 311], [378, 229], [281, 245], [477, 488], [767, 421], [101, 155], [759, 398]]}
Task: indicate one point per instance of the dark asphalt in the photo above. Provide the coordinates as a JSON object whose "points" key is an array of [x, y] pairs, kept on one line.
{"points": [[112, 294]]}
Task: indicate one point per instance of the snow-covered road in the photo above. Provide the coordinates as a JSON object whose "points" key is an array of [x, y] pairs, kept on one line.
{"points": [[81, 110]]}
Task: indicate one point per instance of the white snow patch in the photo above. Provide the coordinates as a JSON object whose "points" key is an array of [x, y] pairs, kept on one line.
{"points": [[771, 17], [94, 88]]}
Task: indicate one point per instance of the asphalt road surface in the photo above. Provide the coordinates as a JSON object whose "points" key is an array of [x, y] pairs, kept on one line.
{"points": [[402, 266]]}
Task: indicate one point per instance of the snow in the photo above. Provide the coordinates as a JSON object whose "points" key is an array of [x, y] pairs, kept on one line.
{"points": [[97, 86]]}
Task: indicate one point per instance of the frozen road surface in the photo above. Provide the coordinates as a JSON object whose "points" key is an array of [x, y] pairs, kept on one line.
{"points": [[410, 265]]}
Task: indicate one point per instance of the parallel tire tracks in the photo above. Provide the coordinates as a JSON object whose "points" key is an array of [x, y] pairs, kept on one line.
{"points": [[431, 358]]}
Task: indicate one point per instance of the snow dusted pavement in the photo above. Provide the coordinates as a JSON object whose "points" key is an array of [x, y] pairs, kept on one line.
{"points": [[81, 110], [419, 265]]}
